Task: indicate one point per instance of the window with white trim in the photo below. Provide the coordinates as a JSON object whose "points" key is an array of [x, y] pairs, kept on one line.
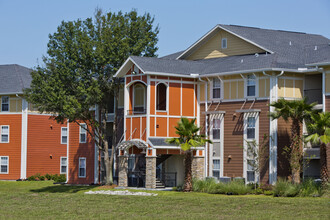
{"points": [[82, 133], [161, 91], [139, 98], [82, 167], [64, 135], [216, 87], [224, 43], [4, 164], [251, 128], [4, 134], [216, 129], [63, 165], [5, 103], [216, 168], [251, 85], [251, 151]]}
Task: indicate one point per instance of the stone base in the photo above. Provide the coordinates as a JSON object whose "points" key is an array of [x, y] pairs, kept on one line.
{"points": [[122, 171], [198, 167], [151, 172]]}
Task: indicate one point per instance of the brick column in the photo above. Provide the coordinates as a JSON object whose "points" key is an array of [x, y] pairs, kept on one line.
{"points": [[198, 167], [151, 172], [122, 171]]}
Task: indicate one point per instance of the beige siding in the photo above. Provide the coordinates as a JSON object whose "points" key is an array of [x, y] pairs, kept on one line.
{"points": [[262, 87], [299, 87], [327, 83], [226, 90], [233, 90], [240, 89], [267, 87], [202, 92], [290, 88], [212, 47]]}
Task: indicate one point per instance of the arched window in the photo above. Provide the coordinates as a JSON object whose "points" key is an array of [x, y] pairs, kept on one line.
{"points": [[139, 98], [161, 97]]}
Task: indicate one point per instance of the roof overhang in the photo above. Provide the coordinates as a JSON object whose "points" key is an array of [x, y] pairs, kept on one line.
{"points": [[12, 93], [209, 34], [326, 63], [126, 66]]}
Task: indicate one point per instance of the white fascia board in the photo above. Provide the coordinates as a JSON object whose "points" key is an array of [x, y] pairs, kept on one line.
{"points": [[12, 93], [259, 70], [194, 76], [222, 28], [120, 73], [319, 64]]}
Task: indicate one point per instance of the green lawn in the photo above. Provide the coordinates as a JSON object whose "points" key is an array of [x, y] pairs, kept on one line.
{"points": [[27, 200]]}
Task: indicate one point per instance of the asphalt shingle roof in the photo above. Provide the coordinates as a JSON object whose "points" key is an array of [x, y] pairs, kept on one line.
{"points": [[14, 78], [291, 50]]}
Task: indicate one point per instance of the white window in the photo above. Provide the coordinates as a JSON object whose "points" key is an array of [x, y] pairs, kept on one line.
{"points": [[216, 129], [4, 165], [224, 43], [251, 128], [63, 165], [64, 135], [216, 168], [5, 103], [251, 136], [83, 133], [251, 85], [82, 167], [4, 134], [216, 88]]}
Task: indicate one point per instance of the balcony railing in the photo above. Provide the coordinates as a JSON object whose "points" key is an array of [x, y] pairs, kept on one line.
{"points": [[314, 95], [168, 178], [137, 111]]}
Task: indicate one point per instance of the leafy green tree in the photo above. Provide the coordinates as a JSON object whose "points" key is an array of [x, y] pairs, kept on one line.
{"points": [[294, 111], [187, 140], [77, 74], [319, 129]]}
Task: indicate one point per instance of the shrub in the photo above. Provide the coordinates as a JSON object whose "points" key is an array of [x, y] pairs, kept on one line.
{"points": [[48, 176], [310, 188], [203, 185], [211, 186], [60, 178], [286, 188], [31, 178]]}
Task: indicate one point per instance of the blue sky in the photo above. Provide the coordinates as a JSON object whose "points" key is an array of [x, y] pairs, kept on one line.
{"points": [[25, 25]]}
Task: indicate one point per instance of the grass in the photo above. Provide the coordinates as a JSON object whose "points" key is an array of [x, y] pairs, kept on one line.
{"points": [[44, 200]]}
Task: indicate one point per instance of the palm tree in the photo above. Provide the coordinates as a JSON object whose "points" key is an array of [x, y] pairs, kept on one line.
{"points": [[320, 129], [187, 140], [295, 111]]}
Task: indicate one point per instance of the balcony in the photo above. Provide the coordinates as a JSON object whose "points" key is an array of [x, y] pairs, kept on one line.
{"points": [[314, 95]]}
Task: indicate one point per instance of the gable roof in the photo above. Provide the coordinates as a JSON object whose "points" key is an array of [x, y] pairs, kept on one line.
{"points": [[14, 78], [290, 51]]}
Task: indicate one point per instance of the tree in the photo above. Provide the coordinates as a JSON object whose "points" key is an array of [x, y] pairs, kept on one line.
{"points": [[319, 127], [295, 111], [77, 74], [187, 140]]}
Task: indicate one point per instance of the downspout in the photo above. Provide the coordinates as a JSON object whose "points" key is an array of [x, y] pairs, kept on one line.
{"points": [[206, 126], [273, 127], [67, 151]]}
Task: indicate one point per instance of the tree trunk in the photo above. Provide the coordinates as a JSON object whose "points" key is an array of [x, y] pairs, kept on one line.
{"points": [[324, 166], [296, 152], [188, 172]]}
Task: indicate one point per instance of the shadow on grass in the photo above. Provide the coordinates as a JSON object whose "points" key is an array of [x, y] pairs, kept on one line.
{"points": [[63, 189]]}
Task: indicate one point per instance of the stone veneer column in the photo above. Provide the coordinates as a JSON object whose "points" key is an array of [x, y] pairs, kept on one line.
{"points": [[151, 172], [198, 167], [122, 171]]}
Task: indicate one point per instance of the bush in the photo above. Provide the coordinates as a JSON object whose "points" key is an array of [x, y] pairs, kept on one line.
{"points": [[48, 176], [57, 178], [31, 178], [310, 188], [60, 178], [211, 186]]}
